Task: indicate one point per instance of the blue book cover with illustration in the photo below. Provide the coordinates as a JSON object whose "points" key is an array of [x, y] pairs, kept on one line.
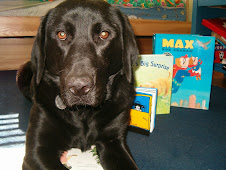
{"points": [[192, 69]]}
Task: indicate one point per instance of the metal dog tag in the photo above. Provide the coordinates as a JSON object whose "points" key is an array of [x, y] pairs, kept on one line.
{"points": [[59, 103]]}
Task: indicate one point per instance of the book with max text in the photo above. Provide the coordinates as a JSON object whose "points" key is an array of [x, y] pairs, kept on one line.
{"points": [[155, 71], [192, 69]]}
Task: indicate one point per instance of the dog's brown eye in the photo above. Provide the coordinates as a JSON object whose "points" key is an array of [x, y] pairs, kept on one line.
{"points": [[104, 35], [62, 35]]}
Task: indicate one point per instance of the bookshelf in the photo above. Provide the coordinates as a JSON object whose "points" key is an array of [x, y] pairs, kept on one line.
{"points": [[205, 9]]}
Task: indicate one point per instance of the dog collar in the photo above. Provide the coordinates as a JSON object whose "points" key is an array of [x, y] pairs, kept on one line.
{"points": [[59, 103]]}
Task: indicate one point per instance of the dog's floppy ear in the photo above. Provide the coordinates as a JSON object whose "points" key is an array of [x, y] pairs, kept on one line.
{"points": [[38, 50], [131, 52]]}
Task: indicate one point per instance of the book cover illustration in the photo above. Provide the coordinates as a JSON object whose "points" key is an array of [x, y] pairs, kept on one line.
{"points": [[144, 109], [192, 69], [155, 71], [220, 53]]}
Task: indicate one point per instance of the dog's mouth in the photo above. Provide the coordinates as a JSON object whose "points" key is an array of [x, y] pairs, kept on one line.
{"points": [[61, 104], [69, 100]]}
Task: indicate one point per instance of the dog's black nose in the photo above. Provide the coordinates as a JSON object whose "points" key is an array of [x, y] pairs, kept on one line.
{"points": [[81, 85]]}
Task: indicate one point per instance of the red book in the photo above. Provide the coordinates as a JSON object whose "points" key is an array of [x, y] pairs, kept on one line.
{"points": [[218, 25]]}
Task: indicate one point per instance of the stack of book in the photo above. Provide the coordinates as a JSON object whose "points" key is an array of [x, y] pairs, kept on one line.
{"points": [[179, 73]]}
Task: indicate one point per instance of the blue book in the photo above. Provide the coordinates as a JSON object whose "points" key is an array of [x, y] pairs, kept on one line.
{"points": [[192, 69]]}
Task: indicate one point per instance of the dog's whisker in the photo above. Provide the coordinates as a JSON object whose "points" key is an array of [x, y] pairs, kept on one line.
{"points": [[77, 107], [61, 71]]}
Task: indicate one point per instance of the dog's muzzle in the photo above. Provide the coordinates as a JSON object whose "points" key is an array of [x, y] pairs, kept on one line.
{"points": [[80, 86], [77, 90]]}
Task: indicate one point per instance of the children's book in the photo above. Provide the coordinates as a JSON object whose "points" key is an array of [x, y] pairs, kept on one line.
{"points": [[144, 109], [220, 53], [155, 71], [219, 39], [192, 69]]}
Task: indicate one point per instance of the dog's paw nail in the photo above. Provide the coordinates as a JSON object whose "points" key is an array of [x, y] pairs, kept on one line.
{"points": [[59, 103]]}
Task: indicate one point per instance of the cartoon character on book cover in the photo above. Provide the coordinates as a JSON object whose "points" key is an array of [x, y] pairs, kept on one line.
{"points": [[220, 53], [143, 110], [185, 67], [192, 69]]}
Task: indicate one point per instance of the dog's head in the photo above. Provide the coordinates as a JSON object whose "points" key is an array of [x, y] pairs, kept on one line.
{"points": [[83, 43]]}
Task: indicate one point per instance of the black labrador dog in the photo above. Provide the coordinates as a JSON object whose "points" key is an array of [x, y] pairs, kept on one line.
{"points": [[80, 82]]}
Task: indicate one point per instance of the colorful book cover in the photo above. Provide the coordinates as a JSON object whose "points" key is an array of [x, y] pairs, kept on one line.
{"points": [[144, 109], [219, 39], [220, 53], [155, 71], [192, 69]]}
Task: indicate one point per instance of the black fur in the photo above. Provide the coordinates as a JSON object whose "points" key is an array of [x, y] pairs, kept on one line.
{"points": [[92, 76]]}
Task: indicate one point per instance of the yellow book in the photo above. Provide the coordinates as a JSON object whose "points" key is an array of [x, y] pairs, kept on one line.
{"points": [[144, 109]]}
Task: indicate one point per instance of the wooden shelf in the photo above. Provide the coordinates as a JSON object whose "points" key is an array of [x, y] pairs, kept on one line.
{"points": [[15, 44], [14, 52], [18, 26], [144, 27], [28, 26]]}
